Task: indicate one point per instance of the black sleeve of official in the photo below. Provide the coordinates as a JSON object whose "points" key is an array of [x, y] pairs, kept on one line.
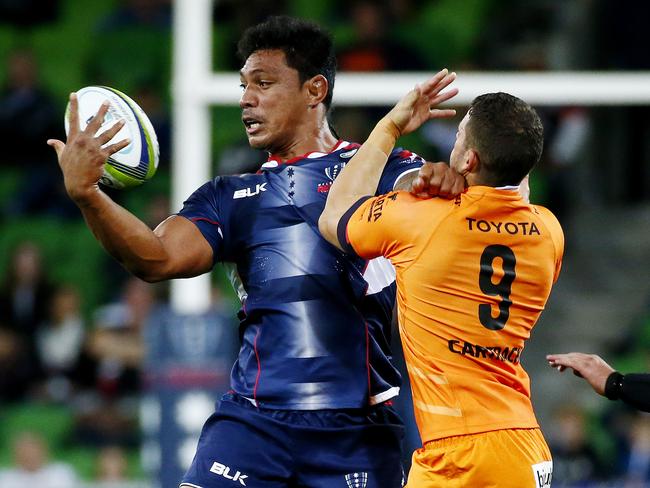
{"points": [[633, 389]]}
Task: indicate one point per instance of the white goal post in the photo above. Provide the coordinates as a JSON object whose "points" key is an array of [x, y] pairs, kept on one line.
{"points": [[195, 87]]}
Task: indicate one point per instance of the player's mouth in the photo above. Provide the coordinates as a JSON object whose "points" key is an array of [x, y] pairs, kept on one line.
{"points": [[252, 125]]}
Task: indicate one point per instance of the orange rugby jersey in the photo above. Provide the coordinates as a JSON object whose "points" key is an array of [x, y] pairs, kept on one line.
{"points": [[473, 276]]}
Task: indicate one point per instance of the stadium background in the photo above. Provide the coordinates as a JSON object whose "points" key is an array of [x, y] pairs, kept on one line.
{"points": [[73, 368]]}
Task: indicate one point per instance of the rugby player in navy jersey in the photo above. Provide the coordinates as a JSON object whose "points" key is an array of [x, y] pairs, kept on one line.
{"points": [[309, 405]]}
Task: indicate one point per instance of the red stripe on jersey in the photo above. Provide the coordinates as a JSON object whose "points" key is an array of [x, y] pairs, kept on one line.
{"points": [[213, 222], [259, 366], [368, 359]]}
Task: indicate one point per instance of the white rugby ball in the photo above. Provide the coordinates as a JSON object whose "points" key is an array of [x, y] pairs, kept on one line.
{"points": [[137, 162]]}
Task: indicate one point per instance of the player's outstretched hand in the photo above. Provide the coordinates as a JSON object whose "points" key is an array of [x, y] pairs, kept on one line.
{"points": [[588, 366], [437, 180], [82, 157], [421, 104]]}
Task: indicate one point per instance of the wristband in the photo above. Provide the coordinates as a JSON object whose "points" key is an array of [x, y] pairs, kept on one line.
{"points": [[384, 136], [614, 386]]}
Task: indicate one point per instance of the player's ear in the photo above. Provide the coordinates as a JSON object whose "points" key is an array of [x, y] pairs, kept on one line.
{"points": [[472, 163], [316, 90]]}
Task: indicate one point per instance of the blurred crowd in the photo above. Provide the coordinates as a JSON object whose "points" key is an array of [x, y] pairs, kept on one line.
{"points": [[60, 348]]}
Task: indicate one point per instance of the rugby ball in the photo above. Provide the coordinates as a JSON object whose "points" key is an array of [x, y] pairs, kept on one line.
{"points": [[137, 162]]}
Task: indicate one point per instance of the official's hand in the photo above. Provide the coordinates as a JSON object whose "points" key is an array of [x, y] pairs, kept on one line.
{"points": [[420, 104], [438, 180], [82, 157], [588, 366]]}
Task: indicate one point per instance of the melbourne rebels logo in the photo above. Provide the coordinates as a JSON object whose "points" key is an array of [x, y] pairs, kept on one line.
{"points": [[357, 480], [331, 172]]}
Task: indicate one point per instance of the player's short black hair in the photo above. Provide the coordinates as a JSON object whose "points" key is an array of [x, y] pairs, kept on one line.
{"points": [[508, 135], [307, 47]]}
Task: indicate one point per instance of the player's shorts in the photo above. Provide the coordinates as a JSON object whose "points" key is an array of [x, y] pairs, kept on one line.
{"points": [[516, 458], [242, 445]]}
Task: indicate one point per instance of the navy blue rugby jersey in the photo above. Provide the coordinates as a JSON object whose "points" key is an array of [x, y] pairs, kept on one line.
{"points": [[315, 323]]}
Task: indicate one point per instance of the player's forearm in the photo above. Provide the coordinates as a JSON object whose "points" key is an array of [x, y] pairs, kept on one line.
{"points": [[125, 237], [360, 176]]}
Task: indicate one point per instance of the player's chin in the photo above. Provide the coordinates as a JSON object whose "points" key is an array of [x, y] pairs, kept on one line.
{"points": [[258, 142]]}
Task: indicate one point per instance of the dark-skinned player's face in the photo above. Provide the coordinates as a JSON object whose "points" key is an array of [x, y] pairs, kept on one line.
{"points": [[273, 101]]}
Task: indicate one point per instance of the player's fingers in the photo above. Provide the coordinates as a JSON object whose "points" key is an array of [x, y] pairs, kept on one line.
{"points": [[107, 135], [446, 185], [443, 97], [442, 114], [118, 146], [461, 183], [74, 114], [445, 82], [455, 183], [418, 187], [57, 145], [560, 357], [97, 121], [436, 178], [430, 85]]}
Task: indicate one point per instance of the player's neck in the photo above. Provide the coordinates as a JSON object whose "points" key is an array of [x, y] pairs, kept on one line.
{"points": [[475, 179], [317, 139]]}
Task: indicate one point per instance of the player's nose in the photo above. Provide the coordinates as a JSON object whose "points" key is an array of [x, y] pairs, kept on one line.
{"points": [[248, 99]]}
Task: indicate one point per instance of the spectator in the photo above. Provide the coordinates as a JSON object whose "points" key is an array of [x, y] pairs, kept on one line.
{"points": [[373, 49], [111, 467], [23, 307], [59, 342], [15, 366], [33, 468], [29, 13], [139, 13], [110, 368], [28, 115], [575, 463], [26, 290], [637, 465]]}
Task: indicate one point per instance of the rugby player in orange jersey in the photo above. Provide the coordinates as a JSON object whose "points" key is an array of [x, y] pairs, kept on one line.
{"points": [[473, 275]]}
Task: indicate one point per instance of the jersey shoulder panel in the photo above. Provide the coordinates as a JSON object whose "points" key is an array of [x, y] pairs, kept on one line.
{"points": [[554, 227], [390, 225], [400, 163]]}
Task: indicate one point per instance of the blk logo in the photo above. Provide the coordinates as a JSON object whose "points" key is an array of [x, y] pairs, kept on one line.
{"points": [[357, 480], [249, 192], [223, 470]]}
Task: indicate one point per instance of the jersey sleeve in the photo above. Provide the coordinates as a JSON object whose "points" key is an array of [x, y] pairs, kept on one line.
{"points": [[205, 209], [400, 163], [557, 236], [374, 226]]}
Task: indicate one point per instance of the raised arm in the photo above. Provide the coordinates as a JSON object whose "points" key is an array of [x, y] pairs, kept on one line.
{"points": [[360, 177], [175, 249]]}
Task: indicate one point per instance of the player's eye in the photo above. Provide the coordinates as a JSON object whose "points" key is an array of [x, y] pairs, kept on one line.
{"points": [[242, 86], [264, 84]]}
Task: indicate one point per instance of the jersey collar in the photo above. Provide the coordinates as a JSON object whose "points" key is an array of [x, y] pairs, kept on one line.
{"points": [[274, 161]]}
